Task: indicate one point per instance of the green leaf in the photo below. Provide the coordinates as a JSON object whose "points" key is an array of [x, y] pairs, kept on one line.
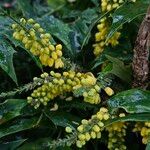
{"points": [[56, 4], [10, 109], [6, 58], [120, 70], [12, 145], [126, 13], [148, 146], [5, 24], [17, 126], [132, 101], [61, 118], [26, 8], [35, 145], [19, 44], [131, 118], [83, 24]]}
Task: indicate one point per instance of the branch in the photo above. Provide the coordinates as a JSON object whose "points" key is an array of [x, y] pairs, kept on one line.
{"points": [[140, 63]]}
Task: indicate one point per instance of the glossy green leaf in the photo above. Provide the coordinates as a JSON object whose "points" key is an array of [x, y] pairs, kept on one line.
{"points": [[5, 24], [126, 13], [119, 69], [19, 44], [148, 146], [132, 101], [17, 126], [10, 109], [12, 145], [77, 104], [84, 24], [26, 8], [131, 118], [61, 118], [6, 58], [56, 4], [35, 145]]}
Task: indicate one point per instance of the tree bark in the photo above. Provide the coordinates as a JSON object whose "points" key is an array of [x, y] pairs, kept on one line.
{"points": [[140, 63]]}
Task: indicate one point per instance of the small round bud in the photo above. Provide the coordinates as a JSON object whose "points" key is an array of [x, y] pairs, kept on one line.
{"points": [[68, 129], [30, 21]]}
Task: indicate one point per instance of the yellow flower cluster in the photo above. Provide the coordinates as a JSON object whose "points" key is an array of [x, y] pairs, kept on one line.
{"points": [[103, 28], [92, 128], [37, 41], [108, 5], [144, 129], [92, 96], [116, 134], [57, 84]]}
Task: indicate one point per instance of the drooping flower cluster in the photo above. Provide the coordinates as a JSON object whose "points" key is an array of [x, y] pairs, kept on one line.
{"points": [[57, 84], [144, 129], [37, 41], [92, 128], [116, 135], [103, 27]]}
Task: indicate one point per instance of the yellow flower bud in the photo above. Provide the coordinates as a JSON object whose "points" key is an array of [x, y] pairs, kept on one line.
{"points": [[80, 128], [36, 26], [87, 136], [96, 128], [79, 144], [58, 63], [109, 91], [59, 53], [30, 21], [84, 121], [41, 30], [98, 135], [81, 137], [50, 62], [59, 47], [106, 116], [99, 116], [51, 47], [68, 129], [93, 135], [14, 26], [85, 94], [54, 55]]}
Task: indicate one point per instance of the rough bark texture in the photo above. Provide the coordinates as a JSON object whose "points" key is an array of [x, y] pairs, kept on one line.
{"points": [[140, 63]]}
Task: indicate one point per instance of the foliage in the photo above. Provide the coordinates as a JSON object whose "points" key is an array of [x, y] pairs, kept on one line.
{"points": [[66, 75]]}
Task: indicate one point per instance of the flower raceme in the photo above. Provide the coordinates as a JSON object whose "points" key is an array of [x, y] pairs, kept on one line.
{"points": [[103, 27], [37, 41], [116, 135], [93, 128], [57, 84], [144, 129]]}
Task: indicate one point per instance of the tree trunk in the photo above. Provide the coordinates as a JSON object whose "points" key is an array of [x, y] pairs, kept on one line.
{"points": [[140, 63]]}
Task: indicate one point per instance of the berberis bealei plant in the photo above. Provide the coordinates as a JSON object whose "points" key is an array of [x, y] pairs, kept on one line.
{"points": [[74, 74]]}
